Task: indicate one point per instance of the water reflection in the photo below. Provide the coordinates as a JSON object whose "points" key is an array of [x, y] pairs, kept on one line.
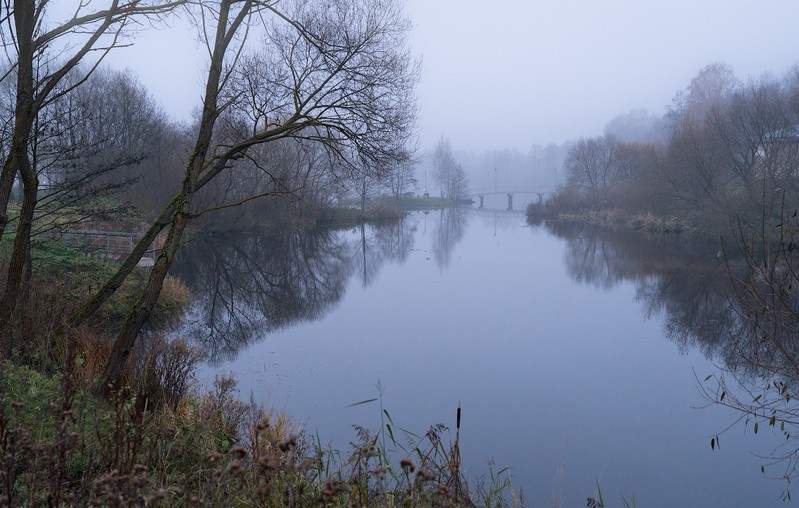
{"points": [[679, 278], [572, 375], [376, 244], [448, 232], [736, 312], [248, 285]]}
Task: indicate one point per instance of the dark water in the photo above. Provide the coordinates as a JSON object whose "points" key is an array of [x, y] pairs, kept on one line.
{"points": [[575, 354]]}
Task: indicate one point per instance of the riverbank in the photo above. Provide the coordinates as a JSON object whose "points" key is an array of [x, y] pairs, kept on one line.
{"points": [[379, 210], [616, 219], [64, 447], [161, 441], [567, 207]]}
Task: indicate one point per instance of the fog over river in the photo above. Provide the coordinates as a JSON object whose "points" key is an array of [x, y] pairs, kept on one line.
{"points": [[576, 354]]}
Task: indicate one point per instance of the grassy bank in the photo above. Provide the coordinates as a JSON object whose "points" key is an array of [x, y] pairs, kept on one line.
{"points": [[62, 279], [616, 219], [162, 442], [62, 447], [569, 206], [379, 210]]}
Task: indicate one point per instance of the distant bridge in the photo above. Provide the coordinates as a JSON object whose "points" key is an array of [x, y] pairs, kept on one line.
{"points": [[481, 193]]}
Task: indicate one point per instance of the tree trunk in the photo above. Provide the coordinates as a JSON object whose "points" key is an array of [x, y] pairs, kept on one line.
{"points": [[6, 185], [21, 250], [127, 266], [25, 24], [123, 345]]}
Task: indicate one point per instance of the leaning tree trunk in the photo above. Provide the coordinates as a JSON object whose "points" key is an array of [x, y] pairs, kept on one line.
{"points": [[123, 345], [125, 269]]}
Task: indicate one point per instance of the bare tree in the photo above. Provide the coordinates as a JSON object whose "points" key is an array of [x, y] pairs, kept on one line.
{"points": [[591, 166], [30, 41], [449, 174], [712, 85], [760, 382], [337, 74], [402, 178], [734, 161]]}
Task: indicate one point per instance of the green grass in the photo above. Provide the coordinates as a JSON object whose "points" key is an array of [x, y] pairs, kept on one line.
{"points": [[599, 502]]}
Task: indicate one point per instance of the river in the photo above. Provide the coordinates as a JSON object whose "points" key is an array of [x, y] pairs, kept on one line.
{"points": [[575, 354]]}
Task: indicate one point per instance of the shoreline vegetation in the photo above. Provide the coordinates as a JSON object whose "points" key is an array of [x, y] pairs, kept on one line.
{"points": [[379, 210], [615, 219], [162, 442]]}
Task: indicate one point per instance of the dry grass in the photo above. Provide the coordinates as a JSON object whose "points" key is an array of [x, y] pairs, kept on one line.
{"points": [[60, 446], [159, 442]]}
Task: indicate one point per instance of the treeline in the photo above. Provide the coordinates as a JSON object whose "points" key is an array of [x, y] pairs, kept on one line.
{"points": [[321, 105], [107, 155], [727, 153]]}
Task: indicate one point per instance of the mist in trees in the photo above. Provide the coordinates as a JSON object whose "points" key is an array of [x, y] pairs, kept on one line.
{"points": [[324, 98], [637, 126], [728, 156], [43, 73], [728, 167], [539, 168], [449, 173]]}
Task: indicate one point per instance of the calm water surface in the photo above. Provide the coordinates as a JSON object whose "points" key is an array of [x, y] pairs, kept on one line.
{"points": [[574, 354]]}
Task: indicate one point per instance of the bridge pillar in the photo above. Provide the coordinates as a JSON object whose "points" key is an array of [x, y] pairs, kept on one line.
{"points": [[510, 201], [481, 201]]}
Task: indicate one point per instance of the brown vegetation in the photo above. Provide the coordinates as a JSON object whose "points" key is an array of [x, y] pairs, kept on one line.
{"points": [[728, 157], [157, 443]]}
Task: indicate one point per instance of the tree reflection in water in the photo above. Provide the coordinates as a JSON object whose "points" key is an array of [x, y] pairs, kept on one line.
{"points": [[682, 280], [448, 232], [247, 285], [378, 243], [740, 311]]}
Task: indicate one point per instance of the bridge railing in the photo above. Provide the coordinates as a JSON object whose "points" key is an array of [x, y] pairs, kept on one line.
{"points": [[114, 245], [485, 191]]}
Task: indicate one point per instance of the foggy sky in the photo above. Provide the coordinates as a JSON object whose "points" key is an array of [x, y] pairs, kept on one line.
{"points": [[509, 73]]}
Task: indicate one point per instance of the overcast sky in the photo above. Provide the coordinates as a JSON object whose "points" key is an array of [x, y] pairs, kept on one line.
{"points": [[512, 73]]}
